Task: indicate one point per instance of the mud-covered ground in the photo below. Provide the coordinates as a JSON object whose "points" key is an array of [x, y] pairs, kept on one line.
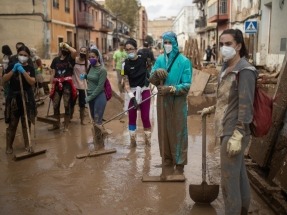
{"points": [[58, 183]]}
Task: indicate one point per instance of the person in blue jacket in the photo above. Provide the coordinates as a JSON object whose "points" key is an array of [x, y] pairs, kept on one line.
{"points": [[175, 71]]}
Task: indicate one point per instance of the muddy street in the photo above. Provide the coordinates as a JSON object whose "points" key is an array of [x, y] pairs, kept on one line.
{"points": [[58, 183]]}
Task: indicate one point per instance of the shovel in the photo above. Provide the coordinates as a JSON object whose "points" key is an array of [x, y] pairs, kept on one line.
{"points": [[163, 177], [203, 193], [31, 152]]}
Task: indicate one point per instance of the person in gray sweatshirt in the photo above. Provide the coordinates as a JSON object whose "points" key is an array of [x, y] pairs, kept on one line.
{"points": [[233, 115]]}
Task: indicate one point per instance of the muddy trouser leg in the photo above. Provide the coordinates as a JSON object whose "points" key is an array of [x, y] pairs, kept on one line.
{"points": [[234, 180], [99, 105], [56, 105], [164, 138], [24, 131], [132, 125], [120, 77], [145, 109], [82, 104], [67, 104], [10, 133]]}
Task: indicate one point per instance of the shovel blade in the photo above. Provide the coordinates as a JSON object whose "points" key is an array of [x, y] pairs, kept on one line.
{"points": [[96, 153], [168, 178], [203, 193], [25, 155]]}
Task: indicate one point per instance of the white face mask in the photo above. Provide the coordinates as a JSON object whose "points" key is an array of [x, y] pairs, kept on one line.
{"points": [[168, 48], [22, 59], [227, 53]]}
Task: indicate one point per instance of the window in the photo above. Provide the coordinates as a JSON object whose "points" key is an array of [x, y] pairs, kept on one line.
{"points": [[67, 6], [56, 4], [283, 44]]}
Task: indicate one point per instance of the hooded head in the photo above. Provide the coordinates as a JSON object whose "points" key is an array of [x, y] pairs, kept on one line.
{"points": [[170, 39]]}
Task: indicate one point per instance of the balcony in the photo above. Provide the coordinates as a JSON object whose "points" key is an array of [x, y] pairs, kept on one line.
{"points": [[85, 19], [200, 23], [198, 1], [223, 14], [107, 26]]}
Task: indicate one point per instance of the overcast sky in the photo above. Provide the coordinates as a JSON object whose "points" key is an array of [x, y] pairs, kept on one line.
{"points": [[157, 8]]}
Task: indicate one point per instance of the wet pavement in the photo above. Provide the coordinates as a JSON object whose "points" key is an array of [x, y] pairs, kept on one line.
{"points": [[58, 183]]}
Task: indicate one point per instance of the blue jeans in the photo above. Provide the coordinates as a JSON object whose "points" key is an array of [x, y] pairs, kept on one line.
{"points": [[97, 107]]}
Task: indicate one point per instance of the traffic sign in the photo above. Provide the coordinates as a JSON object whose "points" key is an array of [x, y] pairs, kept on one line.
{"points": [[250, 27]]}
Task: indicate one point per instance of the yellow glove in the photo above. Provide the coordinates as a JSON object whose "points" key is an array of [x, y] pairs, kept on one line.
{"points": [[207, 110], [234, 144]]}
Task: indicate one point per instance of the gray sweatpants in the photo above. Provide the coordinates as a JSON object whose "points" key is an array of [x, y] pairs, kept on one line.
{"points": [[234, 180]]}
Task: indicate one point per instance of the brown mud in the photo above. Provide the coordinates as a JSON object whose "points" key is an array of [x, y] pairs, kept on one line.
{"points": [[58, 183]]}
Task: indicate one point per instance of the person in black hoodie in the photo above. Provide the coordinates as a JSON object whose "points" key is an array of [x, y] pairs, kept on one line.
{"points": [[14, 110], [136, 85]]}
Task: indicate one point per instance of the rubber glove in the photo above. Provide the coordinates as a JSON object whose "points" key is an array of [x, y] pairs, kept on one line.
{"points": [[20, 69], [133, 100], [83, 76], [161, 74], [64, 45], [15, 67], [207, 110], [165, 90], [87, 99], [234, 144]]}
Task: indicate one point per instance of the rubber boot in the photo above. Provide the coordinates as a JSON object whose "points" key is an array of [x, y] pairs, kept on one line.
{"points": [[147, 138], [9, 142], [179, 169], [41, 92], [56, 125], [66, 122], [72, 112], [133, 137], [82, 116]]}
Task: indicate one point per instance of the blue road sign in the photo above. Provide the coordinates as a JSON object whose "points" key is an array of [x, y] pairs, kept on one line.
{"points": [[250, 27]]}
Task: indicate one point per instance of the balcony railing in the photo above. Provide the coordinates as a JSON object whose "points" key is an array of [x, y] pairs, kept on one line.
{"points": [[223, 11], [85, 19], [200, 23], [107, 26]]}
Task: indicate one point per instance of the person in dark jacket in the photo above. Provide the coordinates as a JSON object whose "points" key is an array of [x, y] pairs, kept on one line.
{"points": [[233, 115], [14, 110], [63, 86], [147, 54]]}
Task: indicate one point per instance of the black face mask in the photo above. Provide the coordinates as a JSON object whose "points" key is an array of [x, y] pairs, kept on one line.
{"points": [[65, 53], [83, 56]]}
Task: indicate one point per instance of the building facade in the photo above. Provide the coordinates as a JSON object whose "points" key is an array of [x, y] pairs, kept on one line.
{"points": [[157, 27], [46, 23], [184, 24]]}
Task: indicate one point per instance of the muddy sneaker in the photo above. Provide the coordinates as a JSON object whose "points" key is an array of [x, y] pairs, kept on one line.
{"points": [[133, 137], [147, 136]]}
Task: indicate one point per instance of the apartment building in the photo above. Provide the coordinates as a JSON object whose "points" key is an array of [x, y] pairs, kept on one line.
{"points": [[158, 26]]}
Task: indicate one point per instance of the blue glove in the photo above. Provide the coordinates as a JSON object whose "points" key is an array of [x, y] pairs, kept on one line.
{"points": [[16, 65], [83, 76], [21, 69]]}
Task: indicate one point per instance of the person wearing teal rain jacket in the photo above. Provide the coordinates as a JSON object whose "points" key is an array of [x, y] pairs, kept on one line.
{"points": [[175, 70]]}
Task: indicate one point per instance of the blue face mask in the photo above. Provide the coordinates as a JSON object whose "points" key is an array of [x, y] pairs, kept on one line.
{"points": [[131, 55]]}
